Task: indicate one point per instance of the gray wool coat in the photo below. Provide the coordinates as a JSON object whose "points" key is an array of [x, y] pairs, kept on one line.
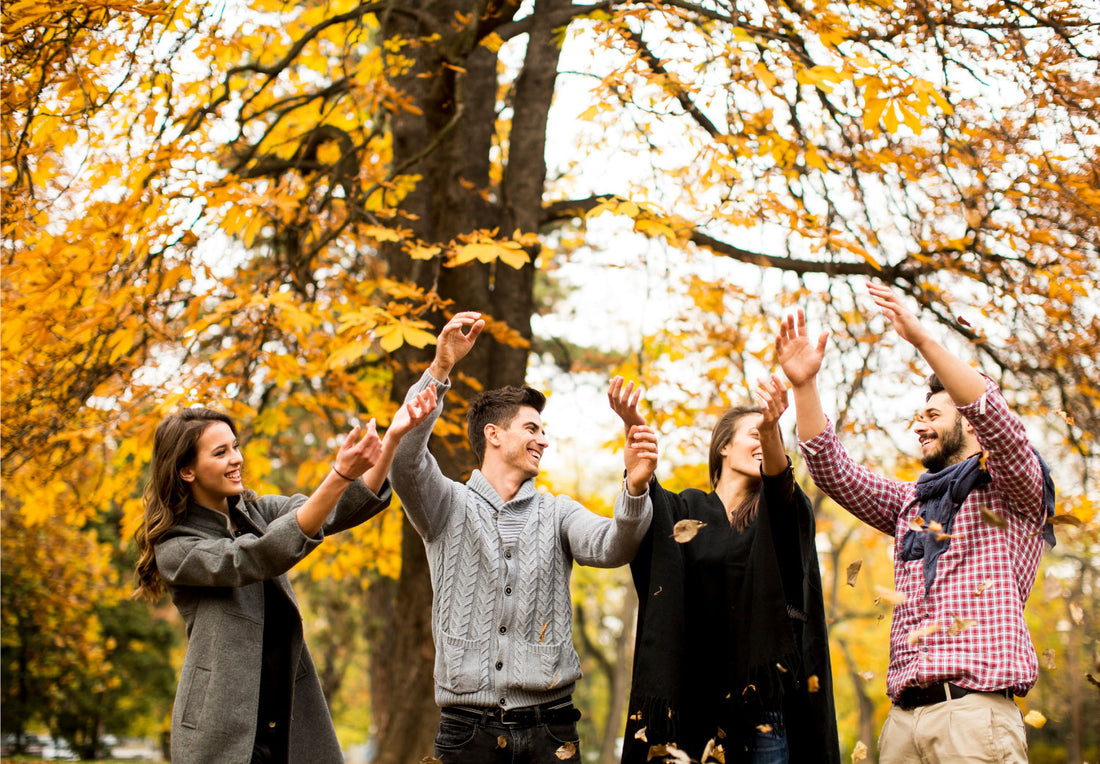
{"points": [[216, 583]]}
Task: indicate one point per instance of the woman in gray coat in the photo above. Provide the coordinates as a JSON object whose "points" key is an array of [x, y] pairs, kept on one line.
{"points": [[248, 690]]}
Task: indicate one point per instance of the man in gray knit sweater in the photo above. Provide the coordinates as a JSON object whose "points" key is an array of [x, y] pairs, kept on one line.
{"points": [[501, 553]]}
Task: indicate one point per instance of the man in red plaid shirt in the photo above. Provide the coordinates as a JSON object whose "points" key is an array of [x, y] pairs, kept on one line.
{"points": [[967, 540]]}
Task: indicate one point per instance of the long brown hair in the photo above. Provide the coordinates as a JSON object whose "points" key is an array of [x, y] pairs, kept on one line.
{"points": [[175, 446], [720, 437]]}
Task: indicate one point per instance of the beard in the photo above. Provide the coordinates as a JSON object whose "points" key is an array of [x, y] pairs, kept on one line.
{"points": [[951, 449]]}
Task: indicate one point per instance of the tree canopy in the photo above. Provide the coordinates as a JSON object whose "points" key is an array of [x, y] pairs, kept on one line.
{"points": [[270, 207]]}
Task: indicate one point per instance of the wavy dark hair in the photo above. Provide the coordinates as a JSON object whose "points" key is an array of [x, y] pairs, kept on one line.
{"points": [[175, 446], [720, 437]]}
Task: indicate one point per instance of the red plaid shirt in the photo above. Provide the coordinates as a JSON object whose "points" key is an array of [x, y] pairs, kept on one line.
{"points": [[984, 577]]}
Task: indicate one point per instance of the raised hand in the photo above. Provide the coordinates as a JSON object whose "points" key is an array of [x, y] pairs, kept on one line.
{"points": [[624, 402], [905, 323], [412, 413], [771, 397], [640, 458], [799, 357], [454, 342], [357, 455]]}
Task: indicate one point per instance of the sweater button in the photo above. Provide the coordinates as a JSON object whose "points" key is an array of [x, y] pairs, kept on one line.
{"points": [[507, 590], [503, 629], [500, 665], [503, 701], [508, 554]]}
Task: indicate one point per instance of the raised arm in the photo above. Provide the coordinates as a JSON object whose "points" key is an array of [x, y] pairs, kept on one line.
{"points": [[961, 380], [624, 399], [800, 358], [771, 397], [409, 415], [356, 456]]}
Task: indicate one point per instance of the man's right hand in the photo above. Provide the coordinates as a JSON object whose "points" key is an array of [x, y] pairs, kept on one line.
{"points": [[624, 402], [454, 343]]}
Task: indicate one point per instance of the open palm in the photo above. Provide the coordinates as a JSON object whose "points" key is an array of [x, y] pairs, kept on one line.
{"points": [[799, 357]]}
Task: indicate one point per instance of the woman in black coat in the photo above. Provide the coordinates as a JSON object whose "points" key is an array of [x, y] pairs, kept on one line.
{"points": [[731, 649]]}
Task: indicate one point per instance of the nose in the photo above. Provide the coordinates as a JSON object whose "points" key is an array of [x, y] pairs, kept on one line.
{"points": [[920, 427]]}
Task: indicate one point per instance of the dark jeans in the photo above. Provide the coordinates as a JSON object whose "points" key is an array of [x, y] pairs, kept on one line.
{"points": [[465, 740], [770, 747]]}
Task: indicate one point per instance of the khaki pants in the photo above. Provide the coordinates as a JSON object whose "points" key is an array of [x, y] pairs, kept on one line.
{"points": [[974, 728]]}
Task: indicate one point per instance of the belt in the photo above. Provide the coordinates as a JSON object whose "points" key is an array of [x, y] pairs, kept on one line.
{"points": [[915, 697], [559, 711]]}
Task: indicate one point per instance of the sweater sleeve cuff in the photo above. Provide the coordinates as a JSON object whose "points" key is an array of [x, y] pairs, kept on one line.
{"points": [[633, 505]]}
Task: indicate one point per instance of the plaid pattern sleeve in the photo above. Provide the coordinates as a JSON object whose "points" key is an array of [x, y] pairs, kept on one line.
{"points": [[969, 629], [874, 499]]}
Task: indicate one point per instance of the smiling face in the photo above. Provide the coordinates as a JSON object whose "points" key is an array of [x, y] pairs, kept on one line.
{"points": [[743, 453], [215, 474], [944, 440], [518, 445]]}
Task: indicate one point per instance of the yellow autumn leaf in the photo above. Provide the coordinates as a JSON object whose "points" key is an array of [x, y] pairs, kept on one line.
{"points": [[1035, 719], [685, 530], [859, 751]]}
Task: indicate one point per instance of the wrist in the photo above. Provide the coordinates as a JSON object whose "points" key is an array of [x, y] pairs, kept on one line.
{"points": [[440, 371], [341, 474]]}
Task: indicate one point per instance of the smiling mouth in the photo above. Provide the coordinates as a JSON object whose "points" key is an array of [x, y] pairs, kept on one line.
{"points": [[234, 475]]}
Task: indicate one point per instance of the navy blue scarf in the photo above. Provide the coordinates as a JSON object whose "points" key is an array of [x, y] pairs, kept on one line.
{"points": [[941, 494]]}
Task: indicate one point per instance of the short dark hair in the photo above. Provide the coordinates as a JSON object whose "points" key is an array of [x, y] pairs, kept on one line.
{"points": [[934, 386], [499, 407]]}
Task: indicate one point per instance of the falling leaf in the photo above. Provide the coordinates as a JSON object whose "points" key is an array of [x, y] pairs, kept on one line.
{"points": [[1065, 519], [781, 667], [567, 751], [982, 461], [890, 595], [983, 586], [962, 321], [859, 752], [685, 530], [1066, 416], [721, 732], [959, 625], [917, 524], [640, 735], [763, 729], [713, 752], [1092, 679], [502, 741], [542, 634], [554, 681], [853, 571], [1035, 719], [990, 518], [430, 760], [945, 536], [813, 684], [746, 690], [867, 676], [670, 751], [636, 716], [934, 527], [1076, 613], [659, 590], [1048, 659], [918, 635]]}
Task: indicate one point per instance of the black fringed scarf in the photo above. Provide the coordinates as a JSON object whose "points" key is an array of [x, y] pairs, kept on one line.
{"points": [[685, 686]]}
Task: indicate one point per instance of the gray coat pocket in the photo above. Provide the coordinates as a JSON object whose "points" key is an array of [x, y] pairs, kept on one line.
{"points": [[194, 695]]}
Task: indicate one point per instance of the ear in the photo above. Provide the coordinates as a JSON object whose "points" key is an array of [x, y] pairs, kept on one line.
{"points": [[725, 450], [967, 427], [187, 475], [492, 434]]}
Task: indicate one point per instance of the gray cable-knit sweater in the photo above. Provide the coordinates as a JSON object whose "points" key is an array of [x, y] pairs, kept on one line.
{"points": [[502, 615]]}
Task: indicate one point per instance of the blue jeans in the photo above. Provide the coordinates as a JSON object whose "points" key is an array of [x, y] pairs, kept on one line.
{"points": [[461, 740], [770, 747]]}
